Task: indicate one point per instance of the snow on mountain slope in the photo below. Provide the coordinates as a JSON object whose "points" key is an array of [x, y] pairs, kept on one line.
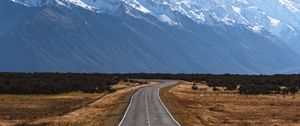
{"points": [[34, 3], [272, 15], [279, 17], [211, 36], [59, 40]]}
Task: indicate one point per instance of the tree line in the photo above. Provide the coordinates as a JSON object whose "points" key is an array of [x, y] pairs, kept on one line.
{"points": [[53, 83], [248, 84]]}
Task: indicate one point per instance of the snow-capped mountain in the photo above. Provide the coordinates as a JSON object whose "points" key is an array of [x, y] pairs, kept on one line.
{"points": [[210, 36], [275, 16]]}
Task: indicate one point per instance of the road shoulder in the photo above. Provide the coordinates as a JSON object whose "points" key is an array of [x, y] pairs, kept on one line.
{"points": [[107, 110]]}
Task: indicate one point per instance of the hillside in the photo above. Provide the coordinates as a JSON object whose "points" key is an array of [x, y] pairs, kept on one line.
{"points": [[57, 38]]}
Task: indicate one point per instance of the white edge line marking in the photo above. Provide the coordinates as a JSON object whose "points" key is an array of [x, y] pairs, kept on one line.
{"points": [[166, 108], [131, 99]]}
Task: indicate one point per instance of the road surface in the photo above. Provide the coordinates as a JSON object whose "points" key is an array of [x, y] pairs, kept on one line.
{"points": [[147, 109]]}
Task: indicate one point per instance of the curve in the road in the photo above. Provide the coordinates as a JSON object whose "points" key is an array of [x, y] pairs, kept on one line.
{"points": [[147, 109]]}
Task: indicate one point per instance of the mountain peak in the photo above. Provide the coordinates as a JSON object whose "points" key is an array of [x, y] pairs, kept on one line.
{"points": [[273, 16], [174, 36]]}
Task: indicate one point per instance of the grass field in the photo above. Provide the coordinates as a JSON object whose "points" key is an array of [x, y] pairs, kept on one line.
{"points": [[206, 107], [18, 108], [67, 109]]}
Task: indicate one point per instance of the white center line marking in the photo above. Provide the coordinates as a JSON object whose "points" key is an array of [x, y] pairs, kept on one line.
{"points": [[147, 111]]}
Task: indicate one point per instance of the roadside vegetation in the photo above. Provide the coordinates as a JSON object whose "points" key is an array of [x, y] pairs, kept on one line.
{"points": [[100, 99], [246, 84], [68, 109], [30, 107], [64, 99], [203, 105], [56, 83]]}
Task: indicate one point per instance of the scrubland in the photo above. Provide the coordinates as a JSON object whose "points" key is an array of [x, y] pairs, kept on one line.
{"points": [[68, 109], [207, 107]]}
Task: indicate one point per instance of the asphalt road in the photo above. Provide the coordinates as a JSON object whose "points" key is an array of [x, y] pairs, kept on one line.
{"points": [[147, 109]]}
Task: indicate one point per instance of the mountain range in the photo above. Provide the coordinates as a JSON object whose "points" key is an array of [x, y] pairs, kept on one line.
{"points": [[166, 36]]}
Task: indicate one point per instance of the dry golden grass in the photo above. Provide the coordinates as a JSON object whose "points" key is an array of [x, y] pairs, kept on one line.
{"points": [[122, 85], [67, 109], [196, 108], [20, 108]]}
